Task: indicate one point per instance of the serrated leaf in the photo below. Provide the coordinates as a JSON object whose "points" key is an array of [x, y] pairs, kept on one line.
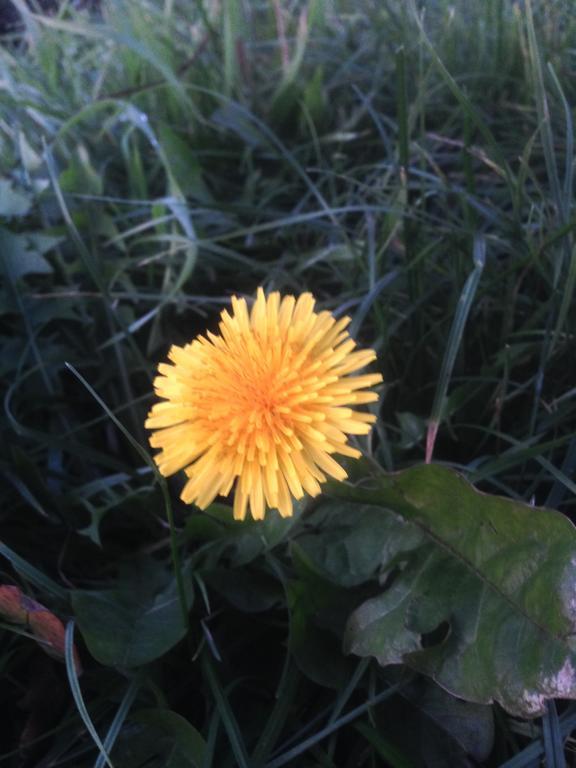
{"points": [[137, 621], [481, 597]]}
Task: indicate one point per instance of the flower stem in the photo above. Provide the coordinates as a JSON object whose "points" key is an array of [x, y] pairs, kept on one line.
{"points": [[176, 561]]}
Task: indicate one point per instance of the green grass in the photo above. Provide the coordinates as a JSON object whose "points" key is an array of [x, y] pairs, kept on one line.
{"points": [[157, 159]]}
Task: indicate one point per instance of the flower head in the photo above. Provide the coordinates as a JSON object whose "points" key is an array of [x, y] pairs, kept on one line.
{"points": [[263, 406]]}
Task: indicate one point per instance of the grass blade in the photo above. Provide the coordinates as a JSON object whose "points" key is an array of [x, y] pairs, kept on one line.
{"points": [[332, 727], [465, 102], [553, 746], [32, 574], [119, 718], [77, 693], [226, 713], [284, 698], [163, 485], [453, 345], [544, 114]]}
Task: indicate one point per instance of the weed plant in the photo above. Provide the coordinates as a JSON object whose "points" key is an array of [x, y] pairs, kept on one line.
{"points": [[412, 166]]}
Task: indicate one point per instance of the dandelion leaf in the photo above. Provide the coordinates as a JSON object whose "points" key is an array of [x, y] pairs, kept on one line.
{"points": [[137, 621], [476, 591]]}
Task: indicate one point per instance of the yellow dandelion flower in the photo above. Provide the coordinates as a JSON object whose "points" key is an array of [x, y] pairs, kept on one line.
{"points": [[263, 406]]}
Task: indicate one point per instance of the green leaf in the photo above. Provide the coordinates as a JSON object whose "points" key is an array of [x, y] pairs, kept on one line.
{"points": [[479, 594], [385, 749], [240, 541], [349, 541], [184, 165], [21, 255], [451, 728], [248, 591], [12, 203], [135, 623], [79, 175], [412, 429], [318, 609], [187, 747]]}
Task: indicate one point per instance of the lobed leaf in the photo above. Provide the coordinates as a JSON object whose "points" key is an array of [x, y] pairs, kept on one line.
{"points": [[478, 593]]}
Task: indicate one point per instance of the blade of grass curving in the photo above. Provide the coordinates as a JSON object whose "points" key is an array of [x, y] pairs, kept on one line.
{"points": [[211, 740], [544, 115], [464, 101], [569, 137], [561, 202], [226, 714], [369, 299], [25, 493], [14, 288], [553, 745], [119, 718], [453, 344], [133, 442], [385, 749], [530, 755], [402, 110], [470, 215], [282, 149], [86, 256], [343, 697], [371, 250], [230, 20], [176, 562], [277, 224], [103, 32], [404, 169], [46, 735], [284, 699], [567, 296], [522, 451], [323, 733], [302, 36], [32, 574], [94, 272], [558, 490], [77, 693]]}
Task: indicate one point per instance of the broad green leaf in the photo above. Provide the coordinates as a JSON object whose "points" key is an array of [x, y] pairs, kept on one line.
{"points": [[479, 593], [137, 621], [240, 541], [187, 747], [318, 608], [451, 728], [158, 738], [21, 255], [248, 591], [12, 203], [348, 547]]}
